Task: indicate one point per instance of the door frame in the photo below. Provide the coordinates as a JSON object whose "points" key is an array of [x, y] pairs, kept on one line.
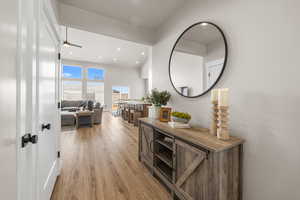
{"points": [[41, 7], [46, 24], [47, 16]]}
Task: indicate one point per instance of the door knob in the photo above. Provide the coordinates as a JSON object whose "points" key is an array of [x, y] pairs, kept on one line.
{"points": [[29, 138], [46, 126]]}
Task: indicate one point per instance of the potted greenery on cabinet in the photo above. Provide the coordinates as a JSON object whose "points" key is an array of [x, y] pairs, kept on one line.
{"points": [[180, 117], [157, 99]]}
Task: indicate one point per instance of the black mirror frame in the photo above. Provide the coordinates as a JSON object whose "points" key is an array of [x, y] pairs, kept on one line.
{"points": [[225, 59]]}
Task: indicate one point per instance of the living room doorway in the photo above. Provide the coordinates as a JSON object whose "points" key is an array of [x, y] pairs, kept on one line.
{"points": [[119, 93]]}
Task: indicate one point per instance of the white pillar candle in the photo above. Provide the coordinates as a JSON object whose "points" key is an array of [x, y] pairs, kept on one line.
{"points": [[223, 97], [214, 95]]}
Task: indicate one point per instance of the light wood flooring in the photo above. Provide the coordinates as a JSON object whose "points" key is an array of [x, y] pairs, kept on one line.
{"points": [[101, 163]]}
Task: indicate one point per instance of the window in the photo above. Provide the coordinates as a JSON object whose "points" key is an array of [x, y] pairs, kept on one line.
{"points": [[95, 91], [72, 90], [72, 72], [95, 74], [82, 83], [95, 84], [72, 82], [119, 93]]}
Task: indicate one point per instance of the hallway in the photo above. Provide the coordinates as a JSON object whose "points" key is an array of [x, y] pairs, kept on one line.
{"points": [[102, 163]]}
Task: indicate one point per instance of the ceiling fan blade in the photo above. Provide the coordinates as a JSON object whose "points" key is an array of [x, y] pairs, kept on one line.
{"points": [[75, 45], [68, 44]]}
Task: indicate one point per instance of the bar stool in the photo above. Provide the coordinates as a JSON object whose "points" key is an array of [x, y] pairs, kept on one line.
{"points": [[119, 109], [138, 113], [131, 113], [125, 113]]}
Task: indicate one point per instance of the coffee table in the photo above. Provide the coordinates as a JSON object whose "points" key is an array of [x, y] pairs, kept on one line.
{"points": [[84, 118]]}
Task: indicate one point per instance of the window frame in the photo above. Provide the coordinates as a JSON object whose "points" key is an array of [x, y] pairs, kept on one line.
{"points": [[84, 80]]}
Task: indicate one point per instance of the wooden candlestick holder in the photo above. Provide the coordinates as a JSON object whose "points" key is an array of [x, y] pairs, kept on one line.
{"points": [[214, 123], [223, 128]]}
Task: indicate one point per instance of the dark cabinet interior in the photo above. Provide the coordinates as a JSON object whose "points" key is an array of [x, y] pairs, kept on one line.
{"points": [[163, 154]]}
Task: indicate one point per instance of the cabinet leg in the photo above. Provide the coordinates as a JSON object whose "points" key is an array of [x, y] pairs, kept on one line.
{"points": [[241, 159]]}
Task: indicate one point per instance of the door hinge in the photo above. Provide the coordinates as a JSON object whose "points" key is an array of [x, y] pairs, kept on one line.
{"points": [[29, 138], [58, 105], [58, 154], [59, 56]]}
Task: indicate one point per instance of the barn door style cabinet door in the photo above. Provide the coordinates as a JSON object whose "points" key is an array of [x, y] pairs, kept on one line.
{"points": [[146, 145], [192, 172], [191, 163]]}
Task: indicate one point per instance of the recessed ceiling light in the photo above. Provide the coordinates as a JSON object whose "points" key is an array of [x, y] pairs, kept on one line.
{"points": [[119, 49], [71, 53], [143, 53], [115, 60], [137, 62], [204, 24]]}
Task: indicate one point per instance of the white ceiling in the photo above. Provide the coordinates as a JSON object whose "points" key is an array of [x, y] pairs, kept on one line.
{"points": [[147, 13], [103, 49], [203, 34]]}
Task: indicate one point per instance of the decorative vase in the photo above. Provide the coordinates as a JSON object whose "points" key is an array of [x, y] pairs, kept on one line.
{"points": [[154, 112], [182, 120]]}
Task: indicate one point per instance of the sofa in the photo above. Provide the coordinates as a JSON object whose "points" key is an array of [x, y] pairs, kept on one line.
{"points": [[69, 109], [72, 106]]}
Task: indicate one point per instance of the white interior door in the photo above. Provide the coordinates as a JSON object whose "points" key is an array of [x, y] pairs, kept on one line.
{"points": [[47, 160], [26, 73], [213, 70]]}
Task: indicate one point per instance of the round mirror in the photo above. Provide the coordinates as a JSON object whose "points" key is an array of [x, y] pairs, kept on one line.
{"points": [[198, 59]]}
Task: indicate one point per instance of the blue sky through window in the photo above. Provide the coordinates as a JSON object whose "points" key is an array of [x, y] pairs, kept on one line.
{"points": [[95, 74], [72, 72]]}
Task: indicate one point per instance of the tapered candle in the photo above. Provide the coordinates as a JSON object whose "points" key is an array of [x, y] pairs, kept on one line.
{"points": [[214, 95], [223, 97]]}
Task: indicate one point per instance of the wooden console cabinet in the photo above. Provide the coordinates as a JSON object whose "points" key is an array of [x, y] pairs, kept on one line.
{"points": [[146, 141], [191, 163]]}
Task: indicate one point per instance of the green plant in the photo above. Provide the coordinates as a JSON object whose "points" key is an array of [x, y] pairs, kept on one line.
{"points": [[181, 115], [158, 98]]}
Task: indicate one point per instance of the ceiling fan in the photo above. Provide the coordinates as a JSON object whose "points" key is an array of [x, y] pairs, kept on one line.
{"points": [[69, 44]]}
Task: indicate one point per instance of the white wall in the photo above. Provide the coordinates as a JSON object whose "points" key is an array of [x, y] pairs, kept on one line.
{"points": [[116, 76], [92, 22], [8, 46], [263, 76], [54, 5], [215, 51], [146, 71], [186, 71]]}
